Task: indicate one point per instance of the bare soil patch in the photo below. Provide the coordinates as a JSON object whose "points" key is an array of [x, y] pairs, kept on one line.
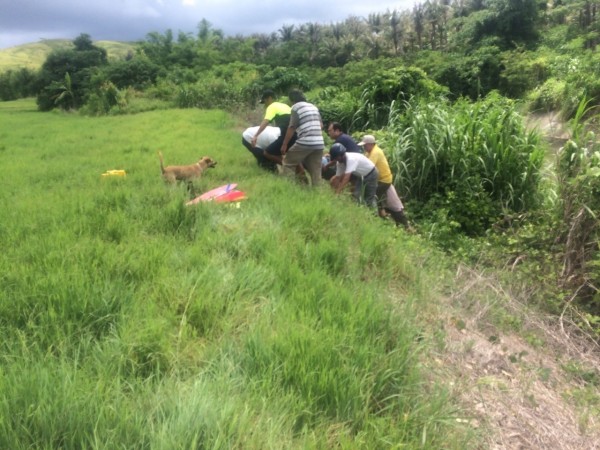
{"points": [[516, 387]]}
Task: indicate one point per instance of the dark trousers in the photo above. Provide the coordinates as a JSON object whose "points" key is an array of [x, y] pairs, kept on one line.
{"points": [[365, 189], [274, 147], [260, 157], [381, 193]]}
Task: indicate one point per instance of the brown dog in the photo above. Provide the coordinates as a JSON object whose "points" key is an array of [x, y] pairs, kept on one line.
{"points": [[188, 173]]}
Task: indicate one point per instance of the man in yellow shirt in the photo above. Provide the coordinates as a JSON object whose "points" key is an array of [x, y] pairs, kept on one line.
{"points": [[387, 198], [280, 114]]}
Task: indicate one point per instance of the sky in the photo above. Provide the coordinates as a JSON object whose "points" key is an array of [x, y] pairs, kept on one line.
{"points": [[29, 21]]}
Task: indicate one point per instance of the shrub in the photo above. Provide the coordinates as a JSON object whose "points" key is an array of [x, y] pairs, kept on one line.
{"points": [[521, 73], [578, 172], [106, 98], [213, 93], [548, 96], [65, 75], [17, 84], [337, 105], [475, 159], [284, 79], [138, 72], [389, 89]]}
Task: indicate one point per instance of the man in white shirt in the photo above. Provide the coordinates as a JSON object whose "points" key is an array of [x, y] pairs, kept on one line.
{"points": [[361, 168]]}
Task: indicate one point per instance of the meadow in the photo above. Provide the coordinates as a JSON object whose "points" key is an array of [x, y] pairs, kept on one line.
{"points": [[293, 319]]}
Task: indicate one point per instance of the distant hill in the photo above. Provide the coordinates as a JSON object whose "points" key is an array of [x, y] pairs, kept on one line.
{"points": [[33, 55]]}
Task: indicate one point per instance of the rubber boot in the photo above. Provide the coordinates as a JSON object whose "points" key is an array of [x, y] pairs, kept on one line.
{"points": [[400, 218]]}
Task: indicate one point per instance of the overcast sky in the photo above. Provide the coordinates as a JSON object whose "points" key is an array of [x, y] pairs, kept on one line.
{"points": [[26, 21]]}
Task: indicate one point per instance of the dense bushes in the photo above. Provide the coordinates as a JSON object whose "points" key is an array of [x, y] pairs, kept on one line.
{"points": [[338, 105], [383, 92], [578, 171], [138, 73], [391, 88], [65, 75], [16, 84], [474, 160]]}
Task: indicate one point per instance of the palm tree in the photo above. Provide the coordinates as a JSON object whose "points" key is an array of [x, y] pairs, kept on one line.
{"points": [[262, 42], [396, 32], [64, 98], [287, 33], [312, 32], [419, 24]]}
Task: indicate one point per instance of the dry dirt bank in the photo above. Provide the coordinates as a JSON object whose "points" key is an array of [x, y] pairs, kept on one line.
{"points": [[529, 389]]}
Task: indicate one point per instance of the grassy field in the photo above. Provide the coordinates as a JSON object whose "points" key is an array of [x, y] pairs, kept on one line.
{"points": [[293, 319], [33, 55]]}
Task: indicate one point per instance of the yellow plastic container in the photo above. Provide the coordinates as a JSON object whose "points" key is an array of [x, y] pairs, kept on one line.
{"points": [[114, 173]]}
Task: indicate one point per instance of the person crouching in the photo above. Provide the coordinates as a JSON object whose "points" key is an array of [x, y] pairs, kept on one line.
{"points": [[359, 166]]}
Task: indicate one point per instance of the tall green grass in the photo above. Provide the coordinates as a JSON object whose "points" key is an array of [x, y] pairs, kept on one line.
{"points": [[476, 160], [127, 320]]}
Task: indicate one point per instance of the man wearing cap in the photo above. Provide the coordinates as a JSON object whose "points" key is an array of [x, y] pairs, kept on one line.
{"points": [[278, 113], [358, 165], [387, 198]]}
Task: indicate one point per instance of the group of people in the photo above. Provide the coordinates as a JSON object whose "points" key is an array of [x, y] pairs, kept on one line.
{"points": [[295, 144]]}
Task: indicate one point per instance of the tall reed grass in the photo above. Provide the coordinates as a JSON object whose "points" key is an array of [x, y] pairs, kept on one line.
{"points": [[476, 159], [128, 320]]}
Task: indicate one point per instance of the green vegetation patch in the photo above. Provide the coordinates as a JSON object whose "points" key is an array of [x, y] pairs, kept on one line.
{"points": [[128, 320]]}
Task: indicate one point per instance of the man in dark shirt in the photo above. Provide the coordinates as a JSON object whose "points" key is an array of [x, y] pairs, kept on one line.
{"points": [[335, 132]]}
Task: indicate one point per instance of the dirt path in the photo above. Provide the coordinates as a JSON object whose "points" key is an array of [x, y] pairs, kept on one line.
{"points": [[549, 125], [535, 388]]}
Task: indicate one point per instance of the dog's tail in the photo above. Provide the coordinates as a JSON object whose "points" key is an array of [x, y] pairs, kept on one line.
{"points": [[162, 168]]}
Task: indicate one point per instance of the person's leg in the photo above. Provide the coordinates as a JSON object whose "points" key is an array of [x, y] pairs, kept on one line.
{"points": [[370, 186], [358, 189], [258, 154], [291, 159], [400, 218], [273, 150], [312, 162], [394, 206], [381, 196]]}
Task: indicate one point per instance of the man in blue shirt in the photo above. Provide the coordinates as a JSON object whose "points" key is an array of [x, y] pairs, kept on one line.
{"points": [[335, 132]]}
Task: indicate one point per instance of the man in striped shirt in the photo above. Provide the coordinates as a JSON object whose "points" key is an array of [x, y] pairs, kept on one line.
{"points": [[306, 122]]}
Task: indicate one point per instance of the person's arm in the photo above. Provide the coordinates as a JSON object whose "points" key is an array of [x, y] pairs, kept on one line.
{"points": [[286, 140], [333, 182], [343, 182], [261, 128]]}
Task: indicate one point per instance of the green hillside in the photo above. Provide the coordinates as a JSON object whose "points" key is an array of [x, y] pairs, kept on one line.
{"points": [[33, 55]]}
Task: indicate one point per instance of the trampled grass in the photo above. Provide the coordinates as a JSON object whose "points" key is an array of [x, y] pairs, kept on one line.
{"points": [[128, 320]]}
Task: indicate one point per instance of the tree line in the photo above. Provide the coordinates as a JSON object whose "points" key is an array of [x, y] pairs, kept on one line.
{"points": [[471, 47]]}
